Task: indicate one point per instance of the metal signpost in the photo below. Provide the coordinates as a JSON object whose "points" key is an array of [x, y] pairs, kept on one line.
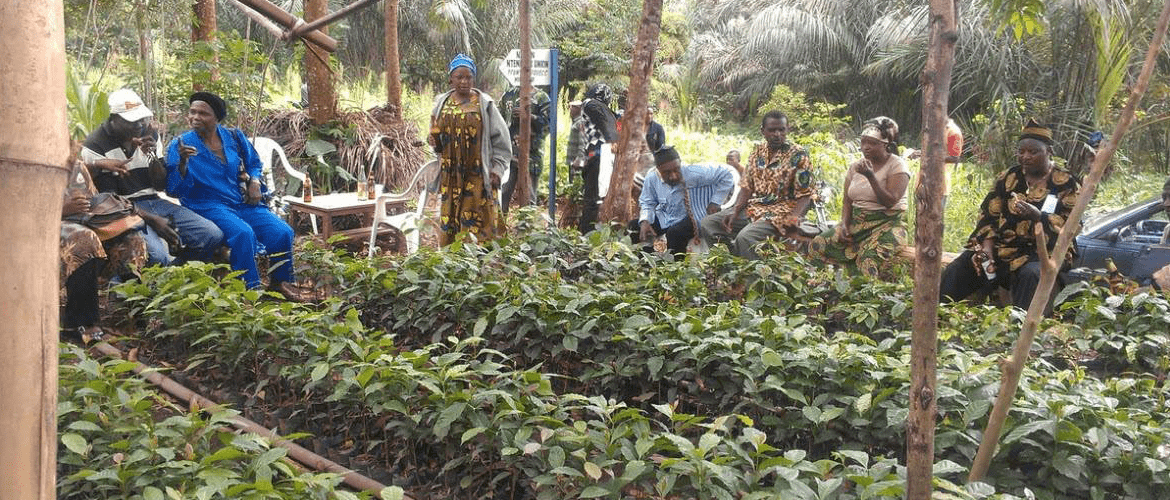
{"points": [[544, 73]]}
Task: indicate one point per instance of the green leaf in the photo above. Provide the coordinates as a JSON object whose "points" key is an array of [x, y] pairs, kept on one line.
{"points": [[152, 493], [812, 413], [1026, 429], [449, 414], [654, 364], [772, 358], [480, 326], [947, 467], [75, 443], [84, 425], [863, 402], [317, 147], [556, 456], [593, 471], [471, 433], [593, 492], [860, 457], [319, 371], [392, 493], [1155, 465]]}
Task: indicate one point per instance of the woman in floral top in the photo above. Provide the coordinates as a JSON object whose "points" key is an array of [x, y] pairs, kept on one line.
{"points": [[471, 139], [1002, 248]]}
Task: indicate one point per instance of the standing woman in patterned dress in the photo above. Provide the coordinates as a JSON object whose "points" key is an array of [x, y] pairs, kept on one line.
{"points": [[472, 142]]}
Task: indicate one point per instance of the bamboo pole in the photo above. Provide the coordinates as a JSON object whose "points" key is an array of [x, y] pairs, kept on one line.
{"points": [[301, 29], [289, 21], [34, 146], [259, 18], [928, 243], [196, 401], [1049, 267], [523, 185]]}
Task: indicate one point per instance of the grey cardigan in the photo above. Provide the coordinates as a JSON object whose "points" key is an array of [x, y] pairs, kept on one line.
{"points": [[498, 147]]}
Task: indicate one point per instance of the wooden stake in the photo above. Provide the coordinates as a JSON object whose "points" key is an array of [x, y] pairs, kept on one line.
{"points": [[928, 243], [1015, 365], [616, 206], [523, 185]]}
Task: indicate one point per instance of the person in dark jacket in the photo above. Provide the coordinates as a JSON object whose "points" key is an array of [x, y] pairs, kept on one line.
{"points": [[540, 104], [600, 129], [122, 158]]}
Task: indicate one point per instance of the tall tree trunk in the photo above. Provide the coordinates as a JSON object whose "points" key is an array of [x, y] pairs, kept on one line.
{"points": [[203, 30], [34, 145], [322, 96], [928, 242], [616, 206], [391, 62], [525, 138], [1050, 264]]}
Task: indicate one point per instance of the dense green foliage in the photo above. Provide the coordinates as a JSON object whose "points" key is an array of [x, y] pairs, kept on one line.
{"points": [[120, 439], [585, 369]]}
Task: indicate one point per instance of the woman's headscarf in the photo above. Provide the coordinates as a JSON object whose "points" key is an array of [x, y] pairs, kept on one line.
{"points": [[883, 129], [461, 60], [218, 106]]}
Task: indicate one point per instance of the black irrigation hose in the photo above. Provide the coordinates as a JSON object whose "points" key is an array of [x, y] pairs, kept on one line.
{"points": [[295, 451]]}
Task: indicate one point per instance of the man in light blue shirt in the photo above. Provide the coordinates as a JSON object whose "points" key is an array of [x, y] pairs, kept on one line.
{"points": [[675, 196]]}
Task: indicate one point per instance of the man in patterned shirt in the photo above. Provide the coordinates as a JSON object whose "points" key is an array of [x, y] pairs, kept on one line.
{"points": [[1002, 250], [776, 191]]}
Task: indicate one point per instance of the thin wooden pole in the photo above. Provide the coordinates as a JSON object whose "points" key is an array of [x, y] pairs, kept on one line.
{"points": [[928, 244], [34, 146], [1050, 266], [393, 67], [522, 183], [616, 206]]}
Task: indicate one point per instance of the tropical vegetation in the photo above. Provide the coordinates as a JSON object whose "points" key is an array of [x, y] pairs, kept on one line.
{"points": [[554, 365]]}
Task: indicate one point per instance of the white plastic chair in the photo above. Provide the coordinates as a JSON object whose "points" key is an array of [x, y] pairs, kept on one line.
{"points": [[407, 222], [265, 147], [734, 190]]}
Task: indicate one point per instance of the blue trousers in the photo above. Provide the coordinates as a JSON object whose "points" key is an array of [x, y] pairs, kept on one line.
{"points": [[243, 227], [200, 237]]}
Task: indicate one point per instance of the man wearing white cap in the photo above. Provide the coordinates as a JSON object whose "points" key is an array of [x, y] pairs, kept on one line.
{"points": [[122, 157]]}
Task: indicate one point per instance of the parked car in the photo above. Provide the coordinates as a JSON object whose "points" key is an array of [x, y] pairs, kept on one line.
{"points": [[1132, 237]]}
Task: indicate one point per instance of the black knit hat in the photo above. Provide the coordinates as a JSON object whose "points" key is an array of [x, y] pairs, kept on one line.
{"points": [[218, 106]]}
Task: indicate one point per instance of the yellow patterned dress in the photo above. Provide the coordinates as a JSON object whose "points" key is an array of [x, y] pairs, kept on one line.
{"points": [[468, 201]]}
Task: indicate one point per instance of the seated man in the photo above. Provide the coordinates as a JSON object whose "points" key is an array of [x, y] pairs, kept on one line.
{"points": [[674, 196], [776, 191], [1002, 248], [121, 158]]}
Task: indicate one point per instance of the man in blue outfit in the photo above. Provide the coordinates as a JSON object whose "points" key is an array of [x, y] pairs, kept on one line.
{"points": [[675, 196], [216, 172], [121, 157]]}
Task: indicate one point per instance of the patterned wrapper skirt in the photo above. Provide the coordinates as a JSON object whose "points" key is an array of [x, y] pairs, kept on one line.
{"points": [[877, 238]]}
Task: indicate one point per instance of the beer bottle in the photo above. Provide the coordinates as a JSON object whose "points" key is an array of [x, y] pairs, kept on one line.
{"points": [[308, 189], [361, 187], [371, 191]]}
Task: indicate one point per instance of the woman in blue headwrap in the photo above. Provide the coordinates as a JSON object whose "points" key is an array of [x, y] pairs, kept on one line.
{"points": [[472, 142]]}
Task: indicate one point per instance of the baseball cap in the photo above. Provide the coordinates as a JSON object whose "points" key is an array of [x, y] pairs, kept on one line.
{"points": [[127, 104]]}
